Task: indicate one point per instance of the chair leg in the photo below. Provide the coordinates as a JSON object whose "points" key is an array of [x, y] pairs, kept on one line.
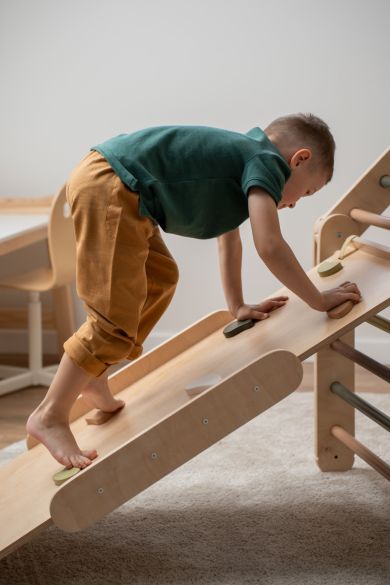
{"points": [[35, 374], [35, 335]]}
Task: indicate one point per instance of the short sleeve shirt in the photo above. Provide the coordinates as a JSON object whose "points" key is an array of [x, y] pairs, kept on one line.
{"points": [[194, 180]]}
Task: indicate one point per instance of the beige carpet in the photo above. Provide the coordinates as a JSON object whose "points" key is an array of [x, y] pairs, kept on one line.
{"points": [[253, 509]]}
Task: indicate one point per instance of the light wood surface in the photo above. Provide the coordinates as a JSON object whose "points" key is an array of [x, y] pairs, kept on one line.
{"points": [[36, 205], [331, 455], [366, 194], [173, 437], [155, 391], [359, 208], [15, 408]]}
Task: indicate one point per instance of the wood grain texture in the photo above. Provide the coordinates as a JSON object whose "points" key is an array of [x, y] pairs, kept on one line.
{"points": [[171, 437], [36, 205], [154, 388], [362, 205]]}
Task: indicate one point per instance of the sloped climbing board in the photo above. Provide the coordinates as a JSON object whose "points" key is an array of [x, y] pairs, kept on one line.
{"points": [[162, 425]]}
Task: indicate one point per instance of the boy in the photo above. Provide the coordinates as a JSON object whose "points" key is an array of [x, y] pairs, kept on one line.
{"points": [[192, 181]]}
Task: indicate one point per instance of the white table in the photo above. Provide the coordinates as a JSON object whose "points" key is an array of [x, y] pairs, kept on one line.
{"points": [[18, 230]]}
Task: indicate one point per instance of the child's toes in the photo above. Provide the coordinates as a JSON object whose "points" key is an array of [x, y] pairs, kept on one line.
{"points": [[90, 454], [80, 461], [66, 462]]}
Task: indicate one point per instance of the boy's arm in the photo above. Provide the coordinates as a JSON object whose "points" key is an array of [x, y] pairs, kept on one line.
{"points": [[274, 250], [230, 261]]}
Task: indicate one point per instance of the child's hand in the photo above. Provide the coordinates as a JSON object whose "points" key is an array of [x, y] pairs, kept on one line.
{"points": [[348, 291], [260, 311]]}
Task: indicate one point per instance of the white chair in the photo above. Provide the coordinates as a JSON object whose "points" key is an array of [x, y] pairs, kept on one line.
{"points": [[60, 272]]}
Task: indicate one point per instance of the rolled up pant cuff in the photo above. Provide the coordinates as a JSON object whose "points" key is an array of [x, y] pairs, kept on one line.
{"points": [[84, 358]]}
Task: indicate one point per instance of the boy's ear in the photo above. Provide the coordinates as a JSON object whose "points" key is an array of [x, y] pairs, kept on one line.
{"points": [[300, 157]]}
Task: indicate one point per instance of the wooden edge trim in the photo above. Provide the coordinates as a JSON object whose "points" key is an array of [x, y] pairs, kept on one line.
{"points": [[363, 452], [373, 248], [169, 349], [186, 432], [370, 172], [349, 326], [36, 205]]}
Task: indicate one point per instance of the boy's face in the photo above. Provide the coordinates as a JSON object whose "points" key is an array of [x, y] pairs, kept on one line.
{"points": [[303, 181]]}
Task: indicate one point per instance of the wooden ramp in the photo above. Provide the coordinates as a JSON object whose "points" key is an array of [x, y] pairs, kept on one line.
{"points": [[162, 426]]}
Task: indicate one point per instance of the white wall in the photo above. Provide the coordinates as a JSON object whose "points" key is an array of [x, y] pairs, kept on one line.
{"points": [[77, 72]]}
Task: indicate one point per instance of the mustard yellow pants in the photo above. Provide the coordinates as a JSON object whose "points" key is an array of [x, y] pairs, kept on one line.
{"points": [[125, 274]]}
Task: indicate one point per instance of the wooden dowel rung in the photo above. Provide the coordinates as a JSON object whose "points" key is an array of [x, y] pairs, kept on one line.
{"points": [[367, 217], [358, 402], [380, 322], [385, 181], [363, 452], [362, 359]]}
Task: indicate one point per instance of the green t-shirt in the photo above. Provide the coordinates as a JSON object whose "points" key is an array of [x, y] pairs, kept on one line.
{"points": [[194, 180]]}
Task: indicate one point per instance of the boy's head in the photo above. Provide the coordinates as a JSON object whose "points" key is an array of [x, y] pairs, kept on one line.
{"points": [[307, 144]]}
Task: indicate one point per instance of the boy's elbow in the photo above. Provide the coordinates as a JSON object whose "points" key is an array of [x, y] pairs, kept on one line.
{"points": [[268, 248]]}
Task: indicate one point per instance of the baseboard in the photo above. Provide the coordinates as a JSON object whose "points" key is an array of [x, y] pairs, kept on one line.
{"points": [[13, 341], [12, 318]]}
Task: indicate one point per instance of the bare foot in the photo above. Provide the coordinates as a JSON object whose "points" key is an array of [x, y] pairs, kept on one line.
{"points": [[97, 394], [57, 437]]}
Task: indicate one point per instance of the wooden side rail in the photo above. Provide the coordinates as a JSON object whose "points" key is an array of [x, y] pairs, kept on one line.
{"points": [[365, 407], [363, 452], [362, 359], [175, 439], [366, 217]]}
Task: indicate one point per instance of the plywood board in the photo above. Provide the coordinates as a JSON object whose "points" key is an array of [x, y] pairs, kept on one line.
{"points": [[26, 487]]}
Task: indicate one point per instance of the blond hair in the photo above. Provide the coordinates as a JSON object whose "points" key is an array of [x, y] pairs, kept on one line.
{"points": [[306, 130]]}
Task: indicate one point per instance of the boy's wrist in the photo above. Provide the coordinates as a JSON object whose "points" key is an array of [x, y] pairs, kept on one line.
{"points": [[318, 303], [233, 307]]}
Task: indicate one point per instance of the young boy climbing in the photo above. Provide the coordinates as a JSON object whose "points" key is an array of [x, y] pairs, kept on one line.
{"points": [[194, 181]]}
